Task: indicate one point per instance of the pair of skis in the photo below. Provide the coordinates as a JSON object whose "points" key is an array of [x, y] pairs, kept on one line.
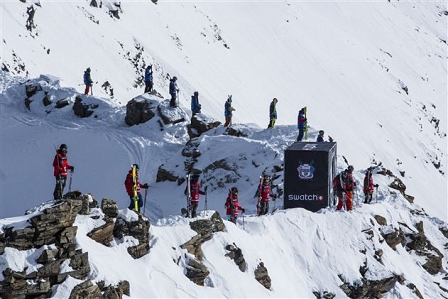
{"points": [[186, 212]]}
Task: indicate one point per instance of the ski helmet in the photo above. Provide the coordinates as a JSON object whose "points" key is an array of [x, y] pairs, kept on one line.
{"points": [[196, 93], [234, 190], [266, 178], [321, 132], [350, 168], [63, 146], [135, 165], [88, 70], [174, 78]]}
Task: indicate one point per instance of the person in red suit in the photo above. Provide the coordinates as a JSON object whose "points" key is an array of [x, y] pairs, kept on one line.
{"points": [[232, 205], [60, 165], [195, 190], [368, 186], [129, 184], [343, 185], [264, 193]]}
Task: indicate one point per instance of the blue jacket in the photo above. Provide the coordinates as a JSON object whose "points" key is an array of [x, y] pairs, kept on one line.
{"points": [[320, 138], [173, 87], [301, 120], [195, 106], [87, 79], [148, 74], [228, 108]]}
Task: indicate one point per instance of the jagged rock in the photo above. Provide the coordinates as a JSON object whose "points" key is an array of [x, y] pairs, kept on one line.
{"points": [[67, 236], [324, 295], [236, 254], [109, 207], [380, 219], [104, 233], [197, 272], [85, 290], [262, 276], [138, 251], [193, 246], [418, 240], [31, 90], [93, 3], [46, 100], [164, 175], [237, 133], [17, 286], [80, 109], [138, 112], [73, 194], [47, 255], [62, 103], [191, 148], [125, 287], [369, 288], [205, 227], [200, 124], [394, 238], [415, 289], [28, 102]]}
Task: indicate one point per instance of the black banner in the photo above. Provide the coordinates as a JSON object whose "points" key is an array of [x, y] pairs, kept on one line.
{"points": [[309, 171]]}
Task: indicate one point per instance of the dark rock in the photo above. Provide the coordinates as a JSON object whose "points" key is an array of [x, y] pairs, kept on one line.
{"points": [[164, 175], [236, 254], [80, 109], [197, 272], [262, 276], [104, 233], [31, 90], [47, 256], [109, 207], [381, 220], [85, 290], [46, 100], [138, 112], [138, 251], [28, 102], [125, 287], [62, 103], [201, 124], [414, 288], [193, 246], [394, 238]]}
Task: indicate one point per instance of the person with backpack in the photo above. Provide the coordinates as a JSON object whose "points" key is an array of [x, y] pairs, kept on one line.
{"points": [[87, 81], [232, 205], [368, 186], [272, 113], [148, 79], [343, 186], [129, 185], [228, 111], [263, 193], [60, 165], [195, 190], [174, 90], [195, 106], [301, 123], [320, 137]]}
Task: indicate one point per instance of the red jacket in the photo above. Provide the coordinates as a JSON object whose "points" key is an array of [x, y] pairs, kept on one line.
{"points": [[195, 190], [60, 164], [232, 204], [265, 192], [368, 184], [129, 184]]}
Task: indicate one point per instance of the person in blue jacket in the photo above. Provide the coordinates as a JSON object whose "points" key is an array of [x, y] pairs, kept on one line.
{"points": [[272, 113], [173, 91], [195, 106], [228, 111], [87, 81], [148, 79]]}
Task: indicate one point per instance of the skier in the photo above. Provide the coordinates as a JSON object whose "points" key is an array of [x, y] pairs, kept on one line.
{"points": [[195, 190], [272, 113], [301, 123], [129, 184], [60, 165], [228, 111], [343, 185], [195, 106], [263, 193], [148, 79], [232, 205], [320, 137], [87, 81], [368, 186], [173, 92]]}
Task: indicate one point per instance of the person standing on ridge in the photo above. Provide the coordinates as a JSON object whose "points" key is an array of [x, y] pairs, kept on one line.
{"points": [[174, 90], [195, 106], [232, 205], [87, 81], [320, 137], [195, 190], [228, 111], [129, 184], [368, 186], [60, 165], [272, 113], [148, 79], [343, 186], [301, 123], [263, 193]]}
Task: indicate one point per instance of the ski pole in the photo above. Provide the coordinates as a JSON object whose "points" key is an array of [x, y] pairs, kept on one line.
{"points": [[70, 183], [91, 90], [205, 203], [243, 220], [144, 207]]}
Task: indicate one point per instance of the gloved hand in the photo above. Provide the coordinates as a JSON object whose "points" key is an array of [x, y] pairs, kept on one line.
{"points": [[145, 186], [72, 168], [376, 185], [243, 210]]}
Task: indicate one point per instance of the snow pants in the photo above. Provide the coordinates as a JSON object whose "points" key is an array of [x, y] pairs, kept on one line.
{"points": [[348, 198], [59, 188], [132, 204]]}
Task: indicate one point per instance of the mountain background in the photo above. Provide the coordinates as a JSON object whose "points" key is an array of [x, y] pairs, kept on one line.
{"points": [[372, 74]]}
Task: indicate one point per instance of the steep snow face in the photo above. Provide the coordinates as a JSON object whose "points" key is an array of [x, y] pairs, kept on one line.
{"points": [[349, 63]]}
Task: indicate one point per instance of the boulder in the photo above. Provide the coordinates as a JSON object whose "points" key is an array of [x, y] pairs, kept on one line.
{"points": [[262, 276], [138, 112]]}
